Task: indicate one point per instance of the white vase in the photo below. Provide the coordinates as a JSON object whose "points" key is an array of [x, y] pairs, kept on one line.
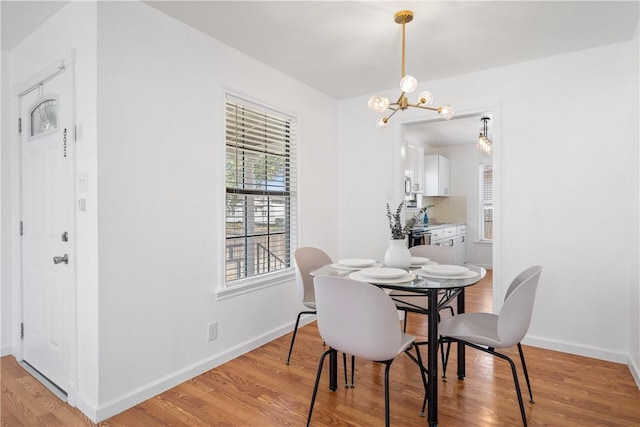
{"points": [[397, 254]]}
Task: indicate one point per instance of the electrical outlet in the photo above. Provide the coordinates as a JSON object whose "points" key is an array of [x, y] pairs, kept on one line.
{"points": [[213, 331]]}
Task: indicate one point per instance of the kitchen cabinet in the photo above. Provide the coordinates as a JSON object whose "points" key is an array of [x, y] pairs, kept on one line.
{"points": [[460, 244], [436, 176], [415, 167], [451, 236]]}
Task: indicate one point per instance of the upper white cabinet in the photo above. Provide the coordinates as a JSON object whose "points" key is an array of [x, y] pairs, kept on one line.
{"points": [[415, 167], [436, 176]]}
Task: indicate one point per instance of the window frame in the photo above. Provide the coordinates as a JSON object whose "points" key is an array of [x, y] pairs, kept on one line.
{"points": [[259, 281]]}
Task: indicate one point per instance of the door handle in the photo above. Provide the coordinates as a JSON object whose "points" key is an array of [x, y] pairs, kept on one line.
{"points": [[61, 259]]}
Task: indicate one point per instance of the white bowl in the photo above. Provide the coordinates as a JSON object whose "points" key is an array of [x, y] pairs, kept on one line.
{"points": [[445, 270], [383, 272], [356, 262]]}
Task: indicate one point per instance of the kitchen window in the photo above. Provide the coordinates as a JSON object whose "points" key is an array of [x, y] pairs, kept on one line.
{"points": [[260, 219], [486, 202]]}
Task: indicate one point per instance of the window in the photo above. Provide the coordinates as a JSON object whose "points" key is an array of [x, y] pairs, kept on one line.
{"points": [[486, 202], [44, 117], [260, 190]]}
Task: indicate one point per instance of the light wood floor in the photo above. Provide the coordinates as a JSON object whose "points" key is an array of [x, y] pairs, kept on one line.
{"points": [[258, 389]]}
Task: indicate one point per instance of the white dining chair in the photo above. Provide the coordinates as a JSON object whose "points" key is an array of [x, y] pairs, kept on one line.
{"points": [[415, 302], [488, 331], [306, 260], [360, 319]]}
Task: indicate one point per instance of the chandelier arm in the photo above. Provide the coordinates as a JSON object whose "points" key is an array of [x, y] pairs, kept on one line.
{"points": [[425, 107], [391, 115], [399, 101]]}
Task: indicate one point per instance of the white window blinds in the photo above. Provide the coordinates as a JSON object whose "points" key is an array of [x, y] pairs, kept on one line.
{"points": [[486, 202], [261, 219]]}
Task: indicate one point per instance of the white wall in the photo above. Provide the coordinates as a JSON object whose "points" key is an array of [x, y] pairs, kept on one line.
{"points": [[150, 243], [564, 172], [635, 184], [52, 42], [161, 200], [5, 217]]}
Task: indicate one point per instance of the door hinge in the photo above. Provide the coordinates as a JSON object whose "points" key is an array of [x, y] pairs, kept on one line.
{"points": [[19, 124], [21, 228], [21, 331], [77, 132]]}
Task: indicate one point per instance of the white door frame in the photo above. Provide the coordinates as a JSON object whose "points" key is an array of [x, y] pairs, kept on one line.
{"points": [[66, 68]]}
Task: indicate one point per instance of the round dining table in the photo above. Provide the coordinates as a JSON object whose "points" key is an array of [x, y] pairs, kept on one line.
{"points": [[440, 290]]}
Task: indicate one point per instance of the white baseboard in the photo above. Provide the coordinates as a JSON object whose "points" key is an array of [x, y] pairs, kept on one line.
{"points": [[139, 395], [595, 353], [635, 371], [6, 351], [579, 350]]}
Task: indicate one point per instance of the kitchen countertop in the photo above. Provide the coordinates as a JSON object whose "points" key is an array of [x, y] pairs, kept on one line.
{"points": [[435, 225]]}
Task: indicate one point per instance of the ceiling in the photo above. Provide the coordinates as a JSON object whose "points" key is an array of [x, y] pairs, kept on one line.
{"points": [[347, 49]]}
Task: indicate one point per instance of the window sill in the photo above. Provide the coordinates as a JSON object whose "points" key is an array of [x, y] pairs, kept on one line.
{"points": [[255, 283]]}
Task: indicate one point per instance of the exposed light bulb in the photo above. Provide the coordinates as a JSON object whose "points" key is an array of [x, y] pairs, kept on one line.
{"points": [[426, 98], [382, 123], [408, 84], [446, 112], [378, 103], [484, 145]]}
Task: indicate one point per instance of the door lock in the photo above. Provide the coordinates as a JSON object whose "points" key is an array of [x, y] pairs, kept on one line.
{"points": [[65, 236], [61, 259]]}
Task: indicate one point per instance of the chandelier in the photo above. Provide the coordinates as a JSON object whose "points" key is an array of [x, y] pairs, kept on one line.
{"points": [[407, 85], [484, 143]]}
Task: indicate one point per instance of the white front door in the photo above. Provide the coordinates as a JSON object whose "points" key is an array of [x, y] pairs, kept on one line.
{"points": [[48, 227]]}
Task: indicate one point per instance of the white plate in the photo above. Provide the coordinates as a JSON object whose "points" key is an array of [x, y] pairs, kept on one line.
{"points": [[383, 272], [356, 262], [357, 275], [466, 275], [344, 267], [445, 270], [417, 261]]}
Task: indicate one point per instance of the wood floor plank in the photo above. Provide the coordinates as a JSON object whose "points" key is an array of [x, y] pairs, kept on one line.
{"points": [[259, 389]]}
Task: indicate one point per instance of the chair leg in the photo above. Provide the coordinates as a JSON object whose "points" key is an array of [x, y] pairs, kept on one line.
{"points": [[346, 367], [526, 374], [490, 350], [353, 371], [445, 357], [404, 328], [315, 387], [417, 359], [424, 381], [387, 417], [518, 392], [295, 331]]}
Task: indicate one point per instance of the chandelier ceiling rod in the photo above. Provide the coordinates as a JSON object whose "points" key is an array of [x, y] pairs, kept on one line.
{"points": [[403, 18], [407, 85]]}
